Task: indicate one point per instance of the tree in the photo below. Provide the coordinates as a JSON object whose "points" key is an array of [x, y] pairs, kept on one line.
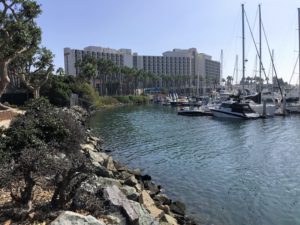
{"points": [[60, 72], [87, 67], [229, 80], [19, 33], [33, 68], [223, 80]]}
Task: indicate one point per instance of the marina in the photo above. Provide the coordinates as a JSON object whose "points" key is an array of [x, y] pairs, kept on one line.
{"points": [[227, 172]]}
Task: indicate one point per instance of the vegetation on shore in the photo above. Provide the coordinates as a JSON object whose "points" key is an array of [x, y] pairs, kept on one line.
{"points": [[59, 89]]}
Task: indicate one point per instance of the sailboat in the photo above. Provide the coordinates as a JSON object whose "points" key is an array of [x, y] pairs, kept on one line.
{"points": [[293, 103], [264, 106], [235, 109]]}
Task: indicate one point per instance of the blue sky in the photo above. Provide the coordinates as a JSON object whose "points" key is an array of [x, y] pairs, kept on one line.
{"points": [[150, 27]]}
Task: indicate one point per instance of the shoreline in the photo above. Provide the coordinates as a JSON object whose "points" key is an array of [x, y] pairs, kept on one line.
{"points": [[160, 206], [111, 194], [137, 187]]}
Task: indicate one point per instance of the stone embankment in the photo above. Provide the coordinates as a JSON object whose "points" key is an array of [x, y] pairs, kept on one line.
{"points": [[128, 196]]}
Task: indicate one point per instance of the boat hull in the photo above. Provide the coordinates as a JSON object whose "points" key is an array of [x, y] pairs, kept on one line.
{"points": [[194, 113], [270, 109], [232, 115]]}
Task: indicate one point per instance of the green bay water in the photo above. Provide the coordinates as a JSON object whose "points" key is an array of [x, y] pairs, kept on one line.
{"points": [[226, 172]]}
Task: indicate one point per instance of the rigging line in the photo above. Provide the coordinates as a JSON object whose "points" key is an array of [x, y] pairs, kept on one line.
{"points": [[257, 52], [263, 28], [294, 69]]}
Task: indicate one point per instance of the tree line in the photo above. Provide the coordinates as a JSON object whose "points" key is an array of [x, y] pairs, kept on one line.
{"points": [[111, 79]]}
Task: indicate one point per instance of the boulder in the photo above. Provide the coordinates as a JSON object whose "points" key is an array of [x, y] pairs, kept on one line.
{"points": [[114, 219], [125, 175], [96, 139], [71, 218], [130, 192], [144, 217], [87, 147], [109, 164], [101, 171], [149, 204], [117, 198], [138, 188], [153, 188], [94, 183], [121, 167], [136, 172], [165, 208], [131, 181], [135, 213], [169, 220], [99, 157], [162, 199], [177, 207], [92, 142], [146, 177]]}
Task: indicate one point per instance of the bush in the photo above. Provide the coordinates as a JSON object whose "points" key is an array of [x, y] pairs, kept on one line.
{"points": [[43, 146], [123, 99], [139, 99], [58, 90]]}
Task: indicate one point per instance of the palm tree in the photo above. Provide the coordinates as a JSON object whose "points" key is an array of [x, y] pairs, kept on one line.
{"points": [[223, 81], [60, 71]]}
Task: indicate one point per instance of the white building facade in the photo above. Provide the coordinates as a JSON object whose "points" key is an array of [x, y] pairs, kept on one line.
{"points": [[178, 62]]}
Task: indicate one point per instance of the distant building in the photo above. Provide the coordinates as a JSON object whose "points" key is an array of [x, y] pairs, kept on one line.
{"points": [[199, 67], [122, 57]]}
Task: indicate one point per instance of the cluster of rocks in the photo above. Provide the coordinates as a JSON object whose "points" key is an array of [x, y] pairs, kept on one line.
{"points": [[127, 196]]}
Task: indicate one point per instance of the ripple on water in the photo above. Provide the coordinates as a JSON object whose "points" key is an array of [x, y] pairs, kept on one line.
{"points": [[237, 172]]}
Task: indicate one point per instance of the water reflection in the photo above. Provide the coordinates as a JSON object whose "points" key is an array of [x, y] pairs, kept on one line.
{"points": [[242, 172]]}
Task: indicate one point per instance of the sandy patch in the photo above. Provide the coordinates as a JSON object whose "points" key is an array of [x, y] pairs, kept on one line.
{"points": [[7, 115]]}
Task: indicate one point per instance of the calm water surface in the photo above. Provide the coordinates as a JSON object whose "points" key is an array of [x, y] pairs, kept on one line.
{"points": [[245, 172]]}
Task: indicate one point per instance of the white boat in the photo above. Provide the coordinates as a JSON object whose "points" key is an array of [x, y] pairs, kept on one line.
{"points": [[194, 111], [292, 105], [259, 108], [235, 110]]}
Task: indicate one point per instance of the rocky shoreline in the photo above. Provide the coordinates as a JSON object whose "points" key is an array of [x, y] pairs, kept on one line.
{"points": [[128, 196]]}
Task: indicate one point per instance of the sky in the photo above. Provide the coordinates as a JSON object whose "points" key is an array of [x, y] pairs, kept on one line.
{"points": [[151, 27]]}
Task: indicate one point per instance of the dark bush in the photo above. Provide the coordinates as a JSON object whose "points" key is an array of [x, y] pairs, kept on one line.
{"points": [[43, 147]]}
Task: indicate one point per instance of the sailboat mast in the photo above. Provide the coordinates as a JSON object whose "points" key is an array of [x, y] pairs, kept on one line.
{"points": [[221, 69], [260, 56], [243, 38], [299, 47], [236, 69]]}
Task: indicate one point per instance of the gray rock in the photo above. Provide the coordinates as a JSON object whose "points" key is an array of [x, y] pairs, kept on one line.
{"points": [[178, 207], [136, 172], [99, 157], [149, 204], [125, 175], [87, 147], [153, 188], [71, 218], [135, 213], [162, 199], [96, 139], [165, 208], [130, 192], [94, 183], [131, 181], [115, 219], [101, 171], [109, 164], [170, 220], [121, 167], [144, 216]]}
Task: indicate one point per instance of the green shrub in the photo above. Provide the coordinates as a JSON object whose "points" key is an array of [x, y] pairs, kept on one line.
{"points": [[123, 99], [43, 147]]}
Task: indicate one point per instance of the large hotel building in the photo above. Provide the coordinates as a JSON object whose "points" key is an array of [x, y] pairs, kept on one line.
{"points": [[184, 62]]}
